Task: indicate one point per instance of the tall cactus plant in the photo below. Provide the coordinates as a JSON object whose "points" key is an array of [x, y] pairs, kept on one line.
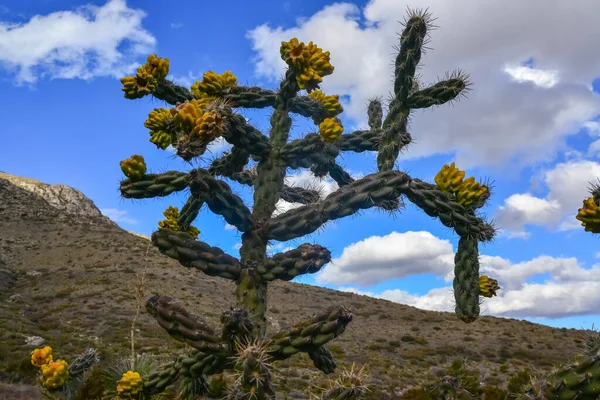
{"points": [[207, 112]]}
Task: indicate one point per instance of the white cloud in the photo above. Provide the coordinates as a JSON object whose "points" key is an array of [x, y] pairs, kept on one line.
{"points": [[568, 185], [305, 179], [570, 288], [502, 120], [541, 78], [176, 25], [84, 43], [397, 255], [229, 227], [118, 216]]}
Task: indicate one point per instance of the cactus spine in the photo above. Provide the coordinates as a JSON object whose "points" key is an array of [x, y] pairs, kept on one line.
{"points": [[206, 112]]}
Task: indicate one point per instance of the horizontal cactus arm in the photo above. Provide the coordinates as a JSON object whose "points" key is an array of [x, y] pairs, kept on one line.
{"points": [[196, 362], [310, 150], [248, 97], [230, 163], [309, 335], [155, 185], [372, 190], [220, 199], [196, 254], [171, 93], [307, 107], [438, 94], [305, 259], [360, 141], [184, 326]]}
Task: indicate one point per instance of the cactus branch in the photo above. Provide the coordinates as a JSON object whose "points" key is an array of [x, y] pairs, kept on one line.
{"points": [[196, 254], [155, 185], [305, 259]]}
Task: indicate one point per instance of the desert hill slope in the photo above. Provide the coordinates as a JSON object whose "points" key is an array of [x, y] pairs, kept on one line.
{"points": [[67, 275]]}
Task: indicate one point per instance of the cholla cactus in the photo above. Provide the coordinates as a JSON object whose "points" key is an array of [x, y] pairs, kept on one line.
{"points": [[207, 112]]}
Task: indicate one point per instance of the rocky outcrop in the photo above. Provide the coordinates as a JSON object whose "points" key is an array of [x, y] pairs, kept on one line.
{"points": [[62, 198]]}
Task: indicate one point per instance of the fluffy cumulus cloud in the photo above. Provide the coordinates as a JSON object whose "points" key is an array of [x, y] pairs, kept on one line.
{"points": [[84, 43], [528, 91], [567, 184], [570, 289]]}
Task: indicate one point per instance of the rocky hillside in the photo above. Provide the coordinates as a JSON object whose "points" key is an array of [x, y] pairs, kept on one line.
{"points": [[68, 275]]}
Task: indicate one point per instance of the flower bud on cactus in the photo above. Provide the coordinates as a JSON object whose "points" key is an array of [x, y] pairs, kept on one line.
{"points": [[161, 139], [130, 384], [331, 104], [470, 192], [309, 62], [54, 374], [589, 215], [146, 78], [134, 167], [171, 223], [213, 84], [40, 357], [488, 286], [210, 126], [331, 129], [158, 119], [449, 178]]}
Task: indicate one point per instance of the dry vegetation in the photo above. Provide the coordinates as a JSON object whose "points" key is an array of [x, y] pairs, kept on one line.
{"points": [[71, 281]]}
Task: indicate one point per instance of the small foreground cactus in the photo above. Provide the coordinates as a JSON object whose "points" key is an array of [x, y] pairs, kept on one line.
{"points": [[207, 112]]}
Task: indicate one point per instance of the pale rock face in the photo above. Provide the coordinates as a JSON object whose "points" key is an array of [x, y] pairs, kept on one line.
{"points": [[60, 197]]}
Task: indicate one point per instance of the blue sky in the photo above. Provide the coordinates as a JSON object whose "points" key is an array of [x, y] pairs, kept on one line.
{"points": [[530, 124]]}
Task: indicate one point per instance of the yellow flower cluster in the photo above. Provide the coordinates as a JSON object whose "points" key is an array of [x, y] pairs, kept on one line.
{"points": [[589, 215], [40, 357], [468, 192], [193, 117], [331, 104], [157, 122], [146, 79], [309, 62], [134, 167], [171, 223], [488, 286], [213, 84], [130, 384], [54, 373], [331, 129]]}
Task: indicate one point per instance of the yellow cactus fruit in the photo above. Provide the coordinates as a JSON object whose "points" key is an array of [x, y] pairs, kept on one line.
{"points": [[130, 88], [134, 167], [158, 119], [331, 129], [488, 286], [40, 357], [589, 215], [54, 374], [130, 384], [295, 54], [449, 178], [469, 192], [320, 60], [172, 215], [186, 114], [209, 127], [161, 139], [193, 231], [213, 84], [158, 67], [331, 104]]}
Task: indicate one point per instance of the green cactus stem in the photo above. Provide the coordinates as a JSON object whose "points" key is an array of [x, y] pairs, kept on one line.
{"points": [[171, 93], [309, 335], [183, 326], [196, 254], [189, 212], [323, 359], [155, 185], [375, 114], [230, 163], [365, 193], [220, 199], [440, 93], [466, 280], [307, 258]]}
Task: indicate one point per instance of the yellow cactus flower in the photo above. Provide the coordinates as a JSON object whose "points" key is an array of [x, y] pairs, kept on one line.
{"points": [[589, 215], [309, 62], [295, 54], [488, 286], [331, 104], [331, 129], [449, 178], [146, 78], [54, 374], [40, 357], [210, 126], [213, 84], [320, 60], [134, 167], [187, 114], [193, 231], [469, 192], [130, 384], [161, 139], [158, 119]]}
